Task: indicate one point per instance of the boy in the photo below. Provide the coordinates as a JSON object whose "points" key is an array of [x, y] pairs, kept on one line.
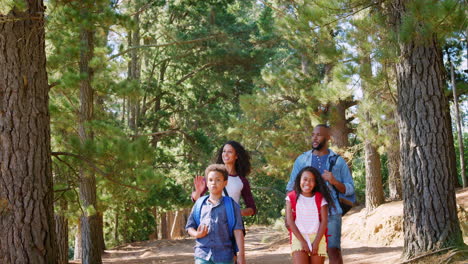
{"points": [[213, 238]]}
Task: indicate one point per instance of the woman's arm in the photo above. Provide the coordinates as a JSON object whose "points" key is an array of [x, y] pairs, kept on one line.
{"points": [[293, 227], [200, 187], [246, 194], [322, 228]]}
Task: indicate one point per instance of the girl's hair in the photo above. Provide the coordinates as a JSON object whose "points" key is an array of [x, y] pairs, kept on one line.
{"points": [[242, 164], [320, 185]]}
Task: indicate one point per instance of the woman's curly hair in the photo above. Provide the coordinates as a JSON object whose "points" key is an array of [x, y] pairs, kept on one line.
{"points": [[242, 164]]}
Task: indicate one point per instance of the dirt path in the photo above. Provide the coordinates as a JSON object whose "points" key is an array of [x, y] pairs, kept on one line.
{"points": [[367, 238], [263, 245]]}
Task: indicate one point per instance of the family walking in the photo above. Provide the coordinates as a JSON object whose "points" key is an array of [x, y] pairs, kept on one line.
{"points": [[320, 190]]}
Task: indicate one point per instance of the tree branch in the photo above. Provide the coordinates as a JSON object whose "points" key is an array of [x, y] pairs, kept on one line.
{"points": [[95, 168], [194, 72], [167, 44]]}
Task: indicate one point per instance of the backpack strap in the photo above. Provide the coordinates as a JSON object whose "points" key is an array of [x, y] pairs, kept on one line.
{"points": [[231, 219], [332, 162], [318, 202], [293, 200], [197, 209]]}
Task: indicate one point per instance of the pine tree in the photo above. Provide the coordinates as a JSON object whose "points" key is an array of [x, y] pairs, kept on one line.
{"points": [[27, 228], [430, 215]]}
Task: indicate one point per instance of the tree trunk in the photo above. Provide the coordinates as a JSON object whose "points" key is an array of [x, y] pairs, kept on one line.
{"points": [[91, 250], [134, 73], [116, 228], [61, 228], [177, 230], [164, 233], [374, 187], [430, 214], [27, 225], [459, 129], [102, 243], [393, 161], [78, 249], [154, 235], [339, 129]]}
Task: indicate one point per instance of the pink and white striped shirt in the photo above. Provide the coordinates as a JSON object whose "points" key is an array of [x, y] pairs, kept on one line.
{"points": [[307, 215]]}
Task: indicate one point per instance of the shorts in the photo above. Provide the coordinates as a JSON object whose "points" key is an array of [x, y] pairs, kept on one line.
{"points": [[296, 244], [334, 231], [202, 261]]}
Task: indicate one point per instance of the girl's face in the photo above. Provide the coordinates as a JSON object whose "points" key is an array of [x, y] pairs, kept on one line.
{"points": [[229, 154], [308, 182]]}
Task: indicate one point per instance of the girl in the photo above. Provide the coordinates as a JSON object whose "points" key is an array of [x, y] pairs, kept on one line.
{"points": [[307, 224], [237, 161]]}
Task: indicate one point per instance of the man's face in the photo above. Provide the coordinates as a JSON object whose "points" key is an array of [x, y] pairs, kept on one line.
{"points": [[320, 137]]}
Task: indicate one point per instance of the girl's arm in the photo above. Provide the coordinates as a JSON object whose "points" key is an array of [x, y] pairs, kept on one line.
{"points": [[293, 227], [322, 228], [239, 236]]}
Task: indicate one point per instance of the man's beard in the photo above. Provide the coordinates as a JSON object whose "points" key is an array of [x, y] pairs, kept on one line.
{"points": [[320, 146]]}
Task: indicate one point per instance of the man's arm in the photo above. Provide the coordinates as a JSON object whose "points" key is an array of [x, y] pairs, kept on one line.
{"points": [[344, 182], [298, 165]]}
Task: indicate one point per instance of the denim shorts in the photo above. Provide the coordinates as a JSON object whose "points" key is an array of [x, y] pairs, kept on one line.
{"points": [[334, 231], [202, 261]]}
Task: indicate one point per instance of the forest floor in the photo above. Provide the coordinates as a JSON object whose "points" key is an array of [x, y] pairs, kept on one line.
{"points": [[375, 237]]}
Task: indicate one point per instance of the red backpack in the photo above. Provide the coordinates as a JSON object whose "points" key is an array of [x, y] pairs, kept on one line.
{"points": [[318, 201]]}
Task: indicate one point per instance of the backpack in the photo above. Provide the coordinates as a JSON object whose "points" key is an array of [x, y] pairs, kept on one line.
{"points": [[230, 215], [318, 202], [346, 201]]}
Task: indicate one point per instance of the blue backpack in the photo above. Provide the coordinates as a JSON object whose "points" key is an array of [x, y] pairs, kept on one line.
{"points": [[231, 218], [346, 201]]}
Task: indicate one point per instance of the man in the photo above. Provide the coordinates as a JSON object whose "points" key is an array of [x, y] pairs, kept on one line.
{"points": [[339, 179]]}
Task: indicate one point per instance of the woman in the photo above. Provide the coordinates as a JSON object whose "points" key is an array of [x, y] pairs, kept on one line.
{"points": [[237, 161]]}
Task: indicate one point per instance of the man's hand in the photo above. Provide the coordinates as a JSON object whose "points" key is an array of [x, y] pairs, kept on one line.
{"points": [[328, 176], [202, 231]]}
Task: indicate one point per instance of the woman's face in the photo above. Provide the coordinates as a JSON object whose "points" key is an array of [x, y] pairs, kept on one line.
{"points": [[229, 154]]}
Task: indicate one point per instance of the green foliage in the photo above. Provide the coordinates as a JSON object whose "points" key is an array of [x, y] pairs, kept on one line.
{"points": [[269, 196]]}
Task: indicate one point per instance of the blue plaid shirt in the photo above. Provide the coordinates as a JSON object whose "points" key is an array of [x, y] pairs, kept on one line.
{"points": [[216, 245], [340, 171]]}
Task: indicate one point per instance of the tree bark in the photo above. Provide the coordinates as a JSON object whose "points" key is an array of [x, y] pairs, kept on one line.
{"points": [[116, 228], [78, 249], [430, 214], [393, 162], [459, 128], [164, 233], [27, 226], [339, 129], [61, 228], [91, 251], [374, 187]]}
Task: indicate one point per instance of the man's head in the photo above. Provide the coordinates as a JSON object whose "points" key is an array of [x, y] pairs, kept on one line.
{"points": [[216, 177], [320, 137]]}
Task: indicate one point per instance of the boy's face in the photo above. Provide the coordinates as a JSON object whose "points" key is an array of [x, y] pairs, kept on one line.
{"points": [[215, 182]]}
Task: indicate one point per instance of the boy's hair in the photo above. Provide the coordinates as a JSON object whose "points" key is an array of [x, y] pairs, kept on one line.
{"points": [[320, 185], [221, 168], [323, 125]]}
